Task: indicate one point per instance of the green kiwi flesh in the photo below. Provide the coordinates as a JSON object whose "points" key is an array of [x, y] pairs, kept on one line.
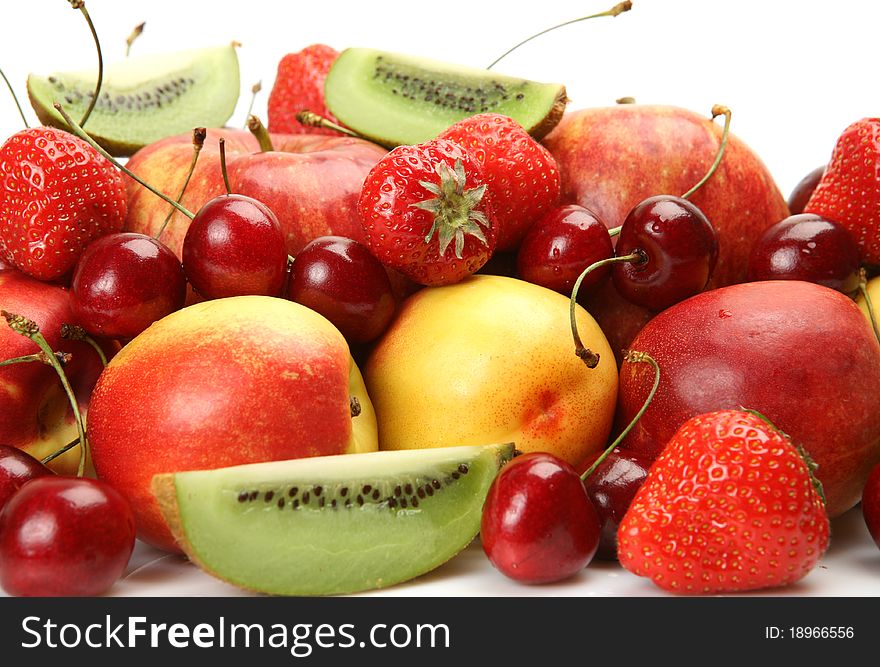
{"points": [[144, 99], [332, 524], [396, 99]]}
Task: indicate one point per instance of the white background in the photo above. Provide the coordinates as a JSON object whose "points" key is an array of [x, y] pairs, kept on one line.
{"points": [[794, 73]]}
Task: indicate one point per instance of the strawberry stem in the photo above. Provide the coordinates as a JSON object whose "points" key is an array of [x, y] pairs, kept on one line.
{"points": [[82, 134], [81, 6], [223, 166], [199, 135], [717, 110], [28, 328], [256, 127], [311, 119], [15, 99], [590, 358], [863, 288], [136, 32], [76, 332], [633, 358], [616, 10]]}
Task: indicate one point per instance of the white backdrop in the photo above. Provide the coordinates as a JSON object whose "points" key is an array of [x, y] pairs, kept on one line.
{"points": [[795, 73]]}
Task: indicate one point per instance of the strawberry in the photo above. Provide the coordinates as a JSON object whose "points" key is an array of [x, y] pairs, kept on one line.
{"points": [[427, 212], [57, 194], [849, 192], [299, 86], [729, 505], [520, 172]]}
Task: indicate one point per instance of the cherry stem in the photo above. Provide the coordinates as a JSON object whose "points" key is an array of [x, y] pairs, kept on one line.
{"points": [[78, 131], [28, 328], [590, 358], [618, 9], [76, 332], [717, 110], [633, 358], [54, 455], [15, 99], [199, 135], [136, 32], [863, 288], [81, 6], [614, 231], [311, 119], [223, 166], [63, 358], [256, 88], [256, 127]]}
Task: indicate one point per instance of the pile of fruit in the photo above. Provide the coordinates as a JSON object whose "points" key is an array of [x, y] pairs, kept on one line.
{"points": [[576, 333]]}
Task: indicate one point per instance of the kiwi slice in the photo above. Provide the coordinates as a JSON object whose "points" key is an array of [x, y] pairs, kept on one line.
{"points": [[144, 99], [396, 99], [332, 524]]}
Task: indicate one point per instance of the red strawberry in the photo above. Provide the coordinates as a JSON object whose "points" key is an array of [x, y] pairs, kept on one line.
{"points": [[849, 192], [299, 86], [729, 505], [57, 194], [520, 172], [427, 212]]}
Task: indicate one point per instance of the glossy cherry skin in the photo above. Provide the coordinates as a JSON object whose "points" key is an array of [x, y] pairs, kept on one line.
{"points": [[63, 536], [560, 245], [679, 246], [123, 283], [538, 523], [611, 488], [17, 468], [871, 503], [234, 247], [807, 247], [802, 192], [342, 280]]}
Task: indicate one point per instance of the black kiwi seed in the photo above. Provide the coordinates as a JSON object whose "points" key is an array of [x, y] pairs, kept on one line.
{"points": [[243, 496], [392, 503], [403, 502], [343, 491], [367, 488], [435, 483], [348, 502], [317, 491], [408, 488], [333, 503], [293, 491], [306, 498], [360, 500], [295, 504], [462, 468], [429, 489], [254, 495], [269, 496], [398, 491], [281, 502], [321, 504], [414, 501], [376, 494], [421, 492], [455, 475]]}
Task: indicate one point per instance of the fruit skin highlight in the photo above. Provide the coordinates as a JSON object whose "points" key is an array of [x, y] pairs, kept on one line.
{"points": [[332, 524], [222, 383], [491, 359]]}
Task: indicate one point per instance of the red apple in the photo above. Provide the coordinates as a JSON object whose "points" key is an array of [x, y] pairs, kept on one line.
{"points": [[310, 182], [799, 353], [35, 414], [612, 158], [223, 383]]}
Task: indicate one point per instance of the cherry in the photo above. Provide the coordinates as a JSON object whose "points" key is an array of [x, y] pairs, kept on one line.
{"points": [[62, 536], [234, 246], [678, 249], [807, 247], [538, 524], [611, 488], [123, 283], [560, 245], [344, 282], [871, 504], [802, 192], [16, 468]]}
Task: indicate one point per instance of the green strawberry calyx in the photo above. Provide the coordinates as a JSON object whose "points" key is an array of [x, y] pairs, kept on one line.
{"points": [[454, 208]]}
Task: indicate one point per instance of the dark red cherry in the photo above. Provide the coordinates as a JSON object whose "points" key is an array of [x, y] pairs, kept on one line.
{"points": [[802, 192], [123, 283], [560, 245], [16, 468], [235, 246], [538, 523], [678, 247], [342, 280], [64, 536], [807, 247], [611, 488], [871, 504]]}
